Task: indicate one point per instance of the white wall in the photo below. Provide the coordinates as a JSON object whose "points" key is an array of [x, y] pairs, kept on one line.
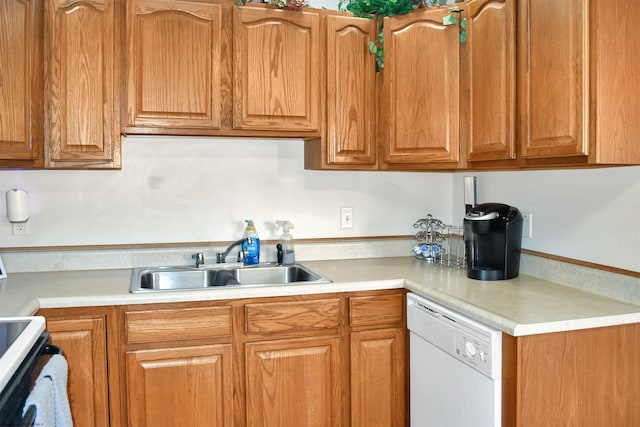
{"points": [[201, 189], [586, 214]]}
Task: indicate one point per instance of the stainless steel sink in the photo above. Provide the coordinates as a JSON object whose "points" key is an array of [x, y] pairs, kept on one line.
{"points": [[181, 278]]}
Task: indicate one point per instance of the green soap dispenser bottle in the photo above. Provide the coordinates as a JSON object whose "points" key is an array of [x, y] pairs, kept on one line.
{"points": [[286, 242], [251, 244]]}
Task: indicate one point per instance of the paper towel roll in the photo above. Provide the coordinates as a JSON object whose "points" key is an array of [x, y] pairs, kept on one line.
{"points": [[17, 205]]}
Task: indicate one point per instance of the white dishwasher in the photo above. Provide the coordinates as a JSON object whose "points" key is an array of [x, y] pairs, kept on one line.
{"points": [[456, 368]]}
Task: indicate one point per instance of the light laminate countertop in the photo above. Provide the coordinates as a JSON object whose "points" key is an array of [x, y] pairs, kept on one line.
{"points": [[521, 306]]}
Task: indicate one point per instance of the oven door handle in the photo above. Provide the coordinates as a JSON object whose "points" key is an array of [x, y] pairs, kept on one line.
{"points": [[29, 417], [51, 349]]}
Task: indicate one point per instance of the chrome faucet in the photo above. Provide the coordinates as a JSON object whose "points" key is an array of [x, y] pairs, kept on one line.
{"points": [[222, 256], [199, 257]]}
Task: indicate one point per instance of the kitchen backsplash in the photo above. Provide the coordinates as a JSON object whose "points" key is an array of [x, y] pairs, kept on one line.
{"points": [[617, 286]]}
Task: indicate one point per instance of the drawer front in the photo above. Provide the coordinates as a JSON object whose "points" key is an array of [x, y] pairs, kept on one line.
{"points": [[293, 315], [181, 324], [376, 310]]}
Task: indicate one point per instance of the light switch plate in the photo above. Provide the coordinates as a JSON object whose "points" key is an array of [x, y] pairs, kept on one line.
{"points": [[346, 217], [527, 225]]}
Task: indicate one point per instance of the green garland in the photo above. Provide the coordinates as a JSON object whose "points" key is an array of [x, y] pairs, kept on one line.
{"points": [[378, 9]]}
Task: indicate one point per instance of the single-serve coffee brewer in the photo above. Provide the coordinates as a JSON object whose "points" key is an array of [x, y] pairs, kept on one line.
{"points": [[493, 239]]}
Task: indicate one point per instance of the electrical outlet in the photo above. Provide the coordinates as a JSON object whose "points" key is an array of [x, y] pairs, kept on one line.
{"points": [[20, 228], [527, 225], [346, 217]]}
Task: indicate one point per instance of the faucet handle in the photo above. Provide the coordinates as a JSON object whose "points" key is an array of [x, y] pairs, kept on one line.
{"points": [[199, 257]]}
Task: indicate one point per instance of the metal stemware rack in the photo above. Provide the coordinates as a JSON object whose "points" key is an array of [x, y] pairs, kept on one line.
{"points": [[437, 242]]}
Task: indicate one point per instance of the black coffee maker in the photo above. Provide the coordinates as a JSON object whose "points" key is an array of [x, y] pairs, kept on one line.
{"points": [[493, 239]]}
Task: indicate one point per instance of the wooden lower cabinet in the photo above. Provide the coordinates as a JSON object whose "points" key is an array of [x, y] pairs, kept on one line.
{"points": [[315, 360], [185, 386], [589, 377], [378, 360], [293, 382], [378, 378], [84, 343], [307, 360]]}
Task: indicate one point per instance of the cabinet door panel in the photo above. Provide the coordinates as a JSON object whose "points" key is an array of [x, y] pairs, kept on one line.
{"points": [[574, 385], [615, 101], [551, 72], [293, 383], [491, 74], [276, 69], [188, 386], [84, 344], [421, 88], [83, 83], [174, 62], [351, 91], [377, 378], [21, 83]]}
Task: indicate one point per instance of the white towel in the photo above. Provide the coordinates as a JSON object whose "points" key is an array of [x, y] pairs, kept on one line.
{"points": [[56, 370], [42, 398]]}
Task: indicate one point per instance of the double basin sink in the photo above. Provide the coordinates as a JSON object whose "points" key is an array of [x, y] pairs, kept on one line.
{"points": [[183, 278]]}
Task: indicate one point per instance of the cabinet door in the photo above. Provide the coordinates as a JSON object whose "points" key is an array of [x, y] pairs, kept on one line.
{"points": [[552, 84], [84, 344], [189, 386], [377, 378], [615, 100], [351, 91], [572, 385], [83, 83], [420, 121], [21, 83], [174, 65], [293, 383], [277, 73], [490, 74]]}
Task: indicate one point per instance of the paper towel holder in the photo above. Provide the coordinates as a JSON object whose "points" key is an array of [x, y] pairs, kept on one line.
{"points": [[17, 206]]}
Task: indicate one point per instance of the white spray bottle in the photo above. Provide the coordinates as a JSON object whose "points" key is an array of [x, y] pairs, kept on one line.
{"points": [[286, 244]]}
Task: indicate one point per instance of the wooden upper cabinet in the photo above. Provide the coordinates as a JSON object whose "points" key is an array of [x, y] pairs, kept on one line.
{"points": [[552, 78], [420, 119], [490, 76], [615, 85], [82, 63], [351, 92], [277, 70], [21, 83], [177, 67]]}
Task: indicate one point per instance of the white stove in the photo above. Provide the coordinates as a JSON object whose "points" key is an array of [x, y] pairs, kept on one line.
{"points": [[17, 337]]}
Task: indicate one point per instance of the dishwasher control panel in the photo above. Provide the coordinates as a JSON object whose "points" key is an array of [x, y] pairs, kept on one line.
{"points": [[464, 338], [475, 351]]}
